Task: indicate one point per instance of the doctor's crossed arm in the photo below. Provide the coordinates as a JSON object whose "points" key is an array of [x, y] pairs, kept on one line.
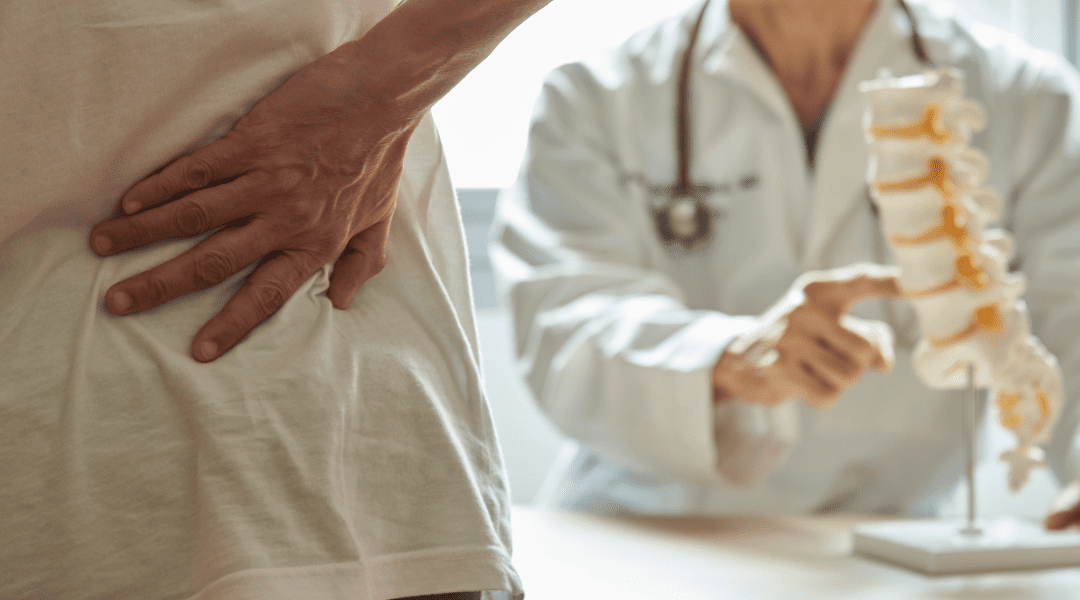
{"points": [[805, 346], [309, 176]]}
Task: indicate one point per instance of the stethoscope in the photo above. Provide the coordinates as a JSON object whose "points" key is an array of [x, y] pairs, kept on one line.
{"points": [[681, 213]]}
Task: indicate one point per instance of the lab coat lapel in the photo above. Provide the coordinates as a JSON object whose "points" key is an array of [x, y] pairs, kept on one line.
{"points": [[724, 51], [839, 184], [727, 56]]}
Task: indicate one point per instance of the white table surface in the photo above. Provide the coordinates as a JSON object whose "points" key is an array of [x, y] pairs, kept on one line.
{"points": [[577, 556]]}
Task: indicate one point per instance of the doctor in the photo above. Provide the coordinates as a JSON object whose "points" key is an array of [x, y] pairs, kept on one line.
{"points": [[703, 186]]}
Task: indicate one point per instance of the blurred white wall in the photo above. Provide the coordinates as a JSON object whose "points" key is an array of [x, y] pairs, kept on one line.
{"points": [[484, 120]]}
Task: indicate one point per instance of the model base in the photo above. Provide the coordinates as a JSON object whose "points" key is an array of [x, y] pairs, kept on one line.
{"points": [[942, 547]]}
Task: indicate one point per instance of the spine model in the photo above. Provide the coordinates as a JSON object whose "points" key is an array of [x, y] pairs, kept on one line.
{"points": [[924, 179]]}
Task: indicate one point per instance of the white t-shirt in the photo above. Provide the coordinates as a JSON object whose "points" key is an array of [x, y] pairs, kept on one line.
{"points": [[332, 454]]}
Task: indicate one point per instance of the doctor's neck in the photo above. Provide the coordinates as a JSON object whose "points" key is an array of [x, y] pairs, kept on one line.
{"points": [[806, 42]]}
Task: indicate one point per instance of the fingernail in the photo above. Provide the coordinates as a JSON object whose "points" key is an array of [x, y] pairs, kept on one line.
{"points": [[121, 302], [208, 351], [101, 243], [131, 207]]}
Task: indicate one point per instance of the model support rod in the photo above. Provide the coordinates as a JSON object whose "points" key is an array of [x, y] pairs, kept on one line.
{"points": [[970, 419]]}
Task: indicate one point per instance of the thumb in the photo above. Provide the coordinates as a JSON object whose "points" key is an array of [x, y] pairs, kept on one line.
{"points": [[363, 258], [835, 290]]}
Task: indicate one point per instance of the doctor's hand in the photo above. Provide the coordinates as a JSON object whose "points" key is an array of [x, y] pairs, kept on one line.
{"points": [[1065, 510], [806, 346], [307, 177]]}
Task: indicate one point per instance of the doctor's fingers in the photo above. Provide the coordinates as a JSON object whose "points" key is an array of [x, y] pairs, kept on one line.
{"points": [[880, 336], [847, 350], [1065, 509], [801, 373], [210, 262], [220, 160], [1065, 518], [835, 290], [788, 378], [192, 215]]}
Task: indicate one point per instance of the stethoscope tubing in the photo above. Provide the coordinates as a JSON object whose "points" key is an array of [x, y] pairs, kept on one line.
{"points": [[684, 194], [683, 184]]}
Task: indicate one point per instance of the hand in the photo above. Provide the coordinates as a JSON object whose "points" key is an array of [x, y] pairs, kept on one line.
{"points": [[806, 346], [1065, 511], [308, 176]]}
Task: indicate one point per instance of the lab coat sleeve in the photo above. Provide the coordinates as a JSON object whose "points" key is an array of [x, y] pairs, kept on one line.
{"points": [[607, 344], [1043, 210]]}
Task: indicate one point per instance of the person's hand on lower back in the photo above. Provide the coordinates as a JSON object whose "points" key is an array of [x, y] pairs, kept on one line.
{"points": [[307, 177]]}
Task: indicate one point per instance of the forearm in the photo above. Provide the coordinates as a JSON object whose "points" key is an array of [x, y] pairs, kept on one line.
{"points": [[416, 54], [623, 368]]}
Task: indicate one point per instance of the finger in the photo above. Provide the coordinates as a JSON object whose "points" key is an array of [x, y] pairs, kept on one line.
{"points": [[841, 354], [835, 290], [832, 364], [212, 261], [219, 160], [363, 258], [763, 386], [799, 379], [1063, 519], [192, 215], [854, 343], [266, 290], [880, 337], [819, 391]]}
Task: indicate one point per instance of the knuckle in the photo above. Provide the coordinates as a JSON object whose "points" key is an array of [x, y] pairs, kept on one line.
{"points": [[136, 232], [196, 173], [158, 192], [288, 179], [799, 316], [269, 297], [192, 219], [212, 268], [814, 288], [846, 369], [154, 291], [298, 216], [259, 178]]}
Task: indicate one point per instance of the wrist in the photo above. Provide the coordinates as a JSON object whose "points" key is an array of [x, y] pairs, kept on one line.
{"points": [[423, 48], [723, 379]]}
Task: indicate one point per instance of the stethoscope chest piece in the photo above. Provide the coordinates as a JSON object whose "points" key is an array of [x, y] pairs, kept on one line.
{"points": [[683, 221]]}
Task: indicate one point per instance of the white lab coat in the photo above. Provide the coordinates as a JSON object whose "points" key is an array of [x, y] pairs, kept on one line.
{"points": [[616, 333]]}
